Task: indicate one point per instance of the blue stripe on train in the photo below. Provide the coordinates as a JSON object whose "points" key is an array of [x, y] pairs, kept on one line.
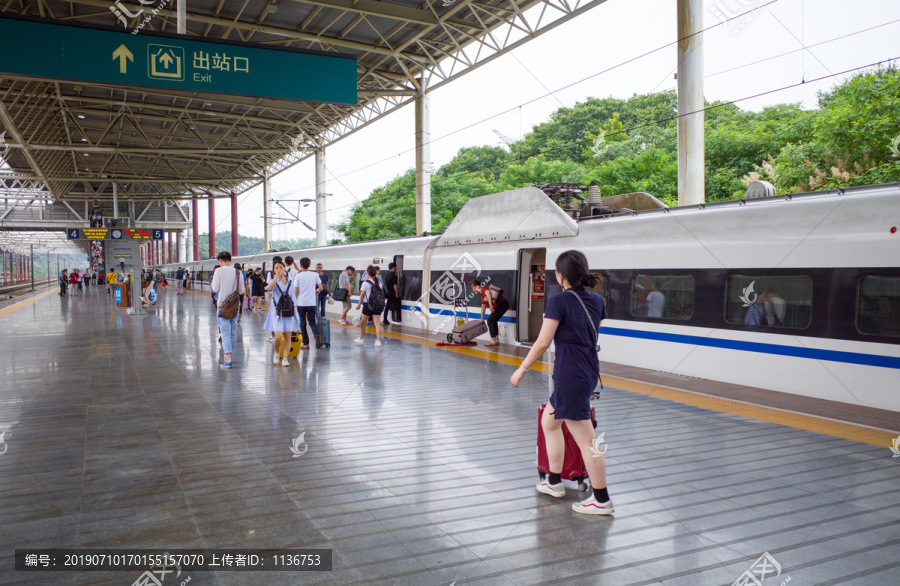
{"points": [[777, 349]]}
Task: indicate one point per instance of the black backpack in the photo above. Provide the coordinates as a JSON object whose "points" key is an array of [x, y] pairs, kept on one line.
{"points": [[375, 298], [285, 305]]}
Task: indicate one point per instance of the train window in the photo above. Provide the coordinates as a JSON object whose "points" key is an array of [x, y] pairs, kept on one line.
{"points": [[662, 296], [769, 301], [878, 312], [410, 285]]}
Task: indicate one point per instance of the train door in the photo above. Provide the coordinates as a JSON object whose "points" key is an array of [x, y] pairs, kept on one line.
{"points": [[530, 298]]}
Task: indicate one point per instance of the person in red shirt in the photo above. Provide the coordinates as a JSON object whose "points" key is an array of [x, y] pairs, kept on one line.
{"points": [[73, 282], [498, 307]]}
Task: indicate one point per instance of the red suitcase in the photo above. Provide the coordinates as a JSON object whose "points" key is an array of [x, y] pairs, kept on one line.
{"points": [[573, 464]]}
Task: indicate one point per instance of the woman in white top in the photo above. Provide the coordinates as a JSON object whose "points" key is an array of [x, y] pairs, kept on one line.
{"points": [[280, 285], [365, 290]]}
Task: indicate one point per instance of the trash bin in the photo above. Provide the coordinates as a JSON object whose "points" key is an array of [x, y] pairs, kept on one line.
{"points": [[122, 291]]}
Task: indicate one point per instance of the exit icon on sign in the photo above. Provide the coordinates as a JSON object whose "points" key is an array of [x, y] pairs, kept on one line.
{"points": [[165, 62]]}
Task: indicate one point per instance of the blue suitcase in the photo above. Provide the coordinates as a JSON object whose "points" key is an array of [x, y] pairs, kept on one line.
{"points": [[324, 338]]}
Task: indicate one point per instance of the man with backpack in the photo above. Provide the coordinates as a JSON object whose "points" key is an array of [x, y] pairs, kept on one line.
{"points": [[228, 287], [306, 286], [372, 300], [392, 291]]}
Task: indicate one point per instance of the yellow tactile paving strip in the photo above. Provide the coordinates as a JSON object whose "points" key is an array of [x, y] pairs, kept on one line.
{"points": [[850, 431], [25, 303]]}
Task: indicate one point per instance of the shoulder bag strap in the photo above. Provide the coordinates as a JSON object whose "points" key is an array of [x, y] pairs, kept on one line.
{"points": [[593, 328]]}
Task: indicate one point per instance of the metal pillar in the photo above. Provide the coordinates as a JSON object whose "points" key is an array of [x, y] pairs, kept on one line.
{"points": [[321, 225], [691, 163], [195, 234], [169, 243], [115, 201], [212, 228], [423, 162], [267, 219], [181, 17], [234, 222], [179, 247], [31, 266]]}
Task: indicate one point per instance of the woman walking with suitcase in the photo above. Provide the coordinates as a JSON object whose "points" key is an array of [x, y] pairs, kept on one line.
{"points": [[571, 320], [280, 324], [491, 298]]}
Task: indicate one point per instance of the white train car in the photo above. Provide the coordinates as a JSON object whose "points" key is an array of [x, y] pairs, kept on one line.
{"points": [[827, 260]]}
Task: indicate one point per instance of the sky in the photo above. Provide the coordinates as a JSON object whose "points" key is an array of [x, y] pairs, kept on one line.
{"points": [[517, 91]]}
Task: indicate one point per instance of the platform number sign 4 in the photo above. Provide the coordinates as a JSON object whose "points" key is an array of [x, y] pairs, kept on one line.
{"points": [[72, 233]]}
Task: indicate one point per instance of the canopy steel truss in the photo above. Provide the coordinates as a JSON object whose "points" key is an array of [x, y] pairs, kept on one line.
{"points": [[71, 141]]}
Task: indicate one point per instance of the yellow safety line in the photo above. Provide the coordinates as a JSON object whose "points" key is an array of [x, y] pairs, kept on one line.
{"points": [[850, 431], [20, 304]]}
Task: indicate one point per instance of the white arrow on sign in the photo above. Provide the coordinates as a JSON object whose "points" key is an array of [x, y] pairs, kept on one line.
{"points": [[123, 55]]}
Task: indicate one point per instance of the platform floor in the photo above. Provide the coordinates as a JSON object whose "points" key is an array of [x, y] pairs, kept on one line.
{"points": [[122, 432]]}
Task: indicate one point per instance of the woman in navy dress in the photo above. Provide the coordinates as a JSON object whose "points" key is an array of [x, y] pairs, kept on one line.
{"points": [[279, 286], [571, 319]]}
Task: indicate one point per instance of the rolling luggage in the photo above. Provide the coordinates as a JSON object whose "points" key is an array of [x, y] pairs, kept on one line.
{"points": [[573, 464], [467, 332], [324, 326], [294, 350]]}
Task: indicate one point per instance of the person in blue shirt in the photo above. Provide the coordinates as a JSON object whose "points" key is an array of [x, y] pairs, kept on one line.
{"points": [[571, 321]]}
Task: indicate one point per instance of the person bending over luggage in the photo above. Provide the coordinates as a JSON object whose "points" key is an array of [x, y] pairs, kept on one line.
{"points": [[491, 298], [571, 320], [280, 325], [371, 299]]}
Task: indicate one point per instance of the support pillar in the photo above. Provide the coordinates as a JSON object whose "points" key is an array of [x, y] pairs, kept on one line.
{"points": [[195, 233], [234, 224], [169, 242], [179, 247], [212, 228], [321, 225], [267, 219], [691, 160], [423, 162], [115, 201]]}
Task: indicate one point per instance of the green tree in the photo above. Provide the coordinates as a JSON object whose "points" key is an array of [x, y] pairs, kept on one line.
{"points": [[482, 161], [653, 170], [538, 170]]}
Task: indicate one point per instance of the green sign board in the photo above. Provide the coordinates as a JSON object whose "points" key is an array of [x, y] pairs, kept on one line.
{"points": [[58, 51]]}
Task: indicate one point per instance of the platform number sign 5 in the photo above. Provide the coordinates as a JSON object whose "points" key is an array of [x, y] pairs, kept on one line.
{"points": [[157, 234], [72, 233]]}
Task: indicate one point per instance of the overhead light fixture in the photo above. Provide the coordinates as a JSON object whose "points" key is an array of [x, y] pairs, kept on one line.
{"points": [[83, 140], [81, 116]]}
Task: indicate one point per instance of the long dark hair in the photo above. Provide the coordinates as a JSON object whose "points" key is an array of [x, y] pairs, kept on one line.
{"points": [[574, 267], [277, 262]]}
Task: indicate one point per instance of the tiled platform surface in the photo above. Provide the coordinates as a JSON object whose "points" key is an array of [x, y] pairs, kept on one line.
{"points": [[121, 432]]}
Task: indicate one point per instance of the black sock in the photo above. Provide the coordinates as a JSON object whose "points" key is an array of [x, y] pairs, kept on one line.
{"points": [[554, 478], [601, 495]]}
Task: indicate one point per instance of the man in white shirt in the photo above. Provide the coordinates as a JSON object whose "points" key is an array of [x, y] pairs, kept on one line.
{"points": [[226, 281], [655, 302], [307, 286]]}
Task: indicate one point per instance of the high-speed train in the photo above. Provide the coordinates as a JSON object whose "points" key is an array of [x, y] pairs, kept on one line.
{"points": [[684, 286]]}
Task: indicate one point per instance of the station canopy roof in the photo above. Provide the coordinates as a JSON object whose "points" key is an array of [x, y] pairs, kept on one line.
{"points": [[72, 140]]}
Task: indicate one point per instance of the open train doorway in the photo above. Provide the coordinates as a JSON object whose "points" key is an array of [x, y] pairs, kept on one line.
{"points": [[530, 298]]}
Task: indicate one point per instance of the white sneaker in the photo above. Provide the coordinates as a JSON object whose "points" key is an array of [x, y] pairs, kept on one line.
{"points": [[276, 359], [554, 490], [343, 322], [358, 341], [378, 343], [285, 362], [592, 507]]}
